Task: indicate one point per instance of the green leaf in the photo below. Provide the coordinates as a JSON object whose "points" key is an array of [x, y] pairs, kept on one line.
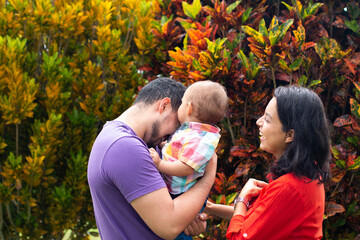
{"points": [[274, 25], [311, 9], [296, 64], [355, 108], [354, 10], [354, 140], [246, 15], [192, 10], [272, 40], [355, 165], [288, 6], [335, 152], [254, 66], [232, 6], [211, 46], [353, 26], [283, 29], [262, 28], [302, 81], [186, 25], [244, 59], [254, 34], [341, 164], [185, 42], [283, 64], [220, 43], [227, 55], [230, 198], [314, 82], [197, 65]]}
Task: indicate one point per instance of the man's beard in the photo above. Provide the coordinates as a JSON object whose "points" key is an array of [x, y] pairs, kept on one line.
{"points": [[154, 140]]}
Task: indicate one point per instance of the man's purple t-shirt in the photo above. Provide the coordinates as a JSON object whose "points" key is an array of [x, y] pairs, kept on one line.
{"points": [[120, 170]]}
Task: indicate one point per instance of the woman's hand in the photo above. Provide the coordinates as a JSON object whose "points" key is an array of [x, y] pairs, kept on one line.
{"points": [[252, 188]]}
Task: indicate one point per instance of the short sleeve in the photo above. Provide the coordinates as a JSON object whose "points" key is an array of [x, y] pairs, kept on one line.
{"points": [[129, 166]]}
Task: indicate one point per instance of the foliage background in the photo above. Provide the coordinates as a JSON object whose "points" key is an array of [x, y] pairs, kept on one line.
{"points": [[68, 66]]}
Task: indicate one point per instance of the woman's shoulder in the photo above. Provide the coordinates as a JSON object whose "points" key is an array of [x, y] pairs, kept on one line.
{"points": [[303, 187], [294, 179]]}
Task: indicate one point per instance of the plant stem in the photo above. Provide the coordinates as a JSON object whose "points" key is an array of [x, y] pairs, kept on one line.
{"points": [[231, 131], [9, 216], [245, 107], [273, 77], [17, 139], [1, 221], [240, 32], [336, 187], [329, 96], [331, 5], [351, 179]]}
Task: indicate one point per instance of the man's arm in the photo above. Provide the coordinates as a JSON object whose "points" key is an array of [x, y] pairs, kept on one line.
{"points": [[168, 217]]}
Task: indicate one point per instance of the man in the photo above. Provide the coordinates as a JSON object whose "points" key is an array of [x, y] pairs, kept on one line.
{"points": [[130, 198]]}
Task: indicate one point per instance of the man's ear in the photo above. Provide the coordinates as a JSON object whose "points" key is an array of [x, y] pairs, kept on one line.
{"points": [[164, 104], [290, 135]]}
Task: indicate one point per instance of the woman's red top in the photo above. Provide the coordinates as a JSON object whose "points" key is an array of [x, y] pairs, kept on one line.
{"points": [[287, 208]]}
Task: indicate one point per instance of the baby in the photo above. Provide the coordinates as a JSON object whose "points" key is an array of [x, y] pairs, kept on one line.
{"points": [[186, 155]]}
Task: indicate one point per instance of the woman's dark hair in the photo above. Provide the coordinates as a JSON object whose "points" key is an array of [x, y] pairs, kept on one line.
{"points": [[308, 154], [162, 88]]}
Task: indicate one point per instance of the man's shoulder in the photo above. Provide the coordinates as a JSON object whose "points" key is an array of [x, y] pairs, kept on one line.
{"points": [[115, 131]]}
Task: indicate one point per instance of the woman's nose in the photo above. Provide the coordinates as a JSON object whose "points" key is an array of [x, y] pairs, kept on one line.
{"points": [[259, 121]]}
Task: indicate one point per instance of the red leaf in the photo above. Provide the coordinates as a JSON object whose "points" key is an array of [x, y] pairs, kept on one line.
{"points": [[343, 120], [351, 66], [339, 23], [243, 169], [332, 208], [356, 58], [283, 77], [337, 174], [308, 45]]}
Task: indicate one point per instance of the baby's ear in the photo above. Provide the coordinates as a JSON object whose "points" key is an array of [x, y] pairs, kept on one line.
{"points": [[290, 135], [190, 109]]}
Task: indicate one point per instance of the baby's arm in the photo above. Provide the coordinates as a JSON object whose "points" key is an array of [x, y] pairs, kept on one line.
{"points": [[176, 168], [220, 210]]}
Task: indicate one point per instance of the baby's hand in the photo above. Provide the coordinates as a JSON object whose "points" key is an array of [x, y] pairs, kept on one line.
{"points": [[155, 156], [162, 144]]}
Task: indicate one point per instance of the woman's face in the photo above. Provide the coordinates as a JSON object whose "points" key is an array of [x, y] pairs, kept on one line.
{"points": [[272, 136]]}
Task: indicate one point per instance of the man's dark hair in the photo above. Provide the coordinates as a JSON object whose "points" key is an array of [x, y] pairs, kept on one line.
{"points": [[162, 88], [308, 154]]}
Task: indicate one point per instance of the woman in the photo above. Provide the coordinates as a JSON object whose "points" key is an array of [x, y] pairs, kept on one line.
{"points": [[294, 129]]}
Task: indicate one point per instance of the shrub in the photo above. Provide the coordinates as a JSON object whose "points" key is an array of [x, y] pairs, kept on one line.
{"points": [[251, 47], [65, 68]]}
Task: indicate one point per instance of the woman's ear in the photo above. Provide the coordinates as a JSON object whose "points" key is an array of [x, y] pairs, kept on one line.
{"points": [[290, 135]]}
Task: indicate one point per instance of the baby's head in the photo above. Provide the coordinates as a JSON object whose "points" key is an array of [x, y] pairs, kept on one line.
{"points": [[205, 102]]}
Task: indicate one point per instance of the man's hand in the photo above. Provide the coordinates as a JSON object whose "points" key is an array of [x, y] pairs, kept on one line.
{"points": [[155, 156], [197, 226]]}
